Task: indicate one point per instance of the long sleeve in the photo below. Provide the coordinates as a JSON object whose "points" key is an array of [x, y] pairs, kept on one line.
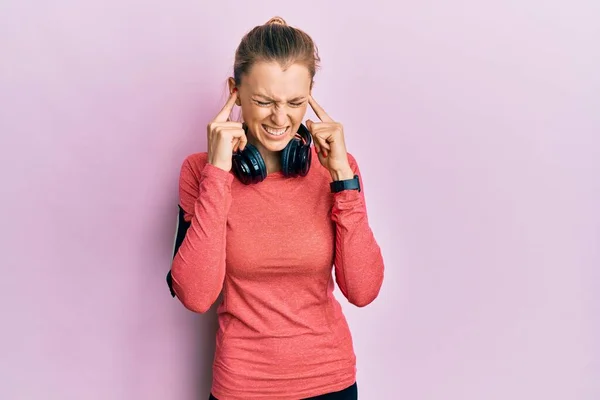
{"points": [[198, 268], [359, 266]]}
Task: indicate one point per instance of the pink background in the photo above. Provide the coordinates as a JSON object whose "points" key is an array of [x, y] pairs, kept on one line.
{"points": [[477, 128]]}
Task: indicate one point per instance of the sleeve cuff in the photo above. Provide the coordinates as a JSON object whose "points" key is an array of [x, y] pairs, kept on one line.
{"points": [[347, 200]]}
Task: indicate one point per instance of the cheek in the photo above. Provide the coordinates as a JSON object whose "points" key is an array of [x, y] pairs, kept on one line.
{"points": [[253, 112], [299, 113]]}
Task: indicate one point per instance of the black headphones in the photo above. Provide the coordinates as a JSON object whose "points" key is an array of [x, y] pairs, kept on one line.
{"points": [[249, 166]]}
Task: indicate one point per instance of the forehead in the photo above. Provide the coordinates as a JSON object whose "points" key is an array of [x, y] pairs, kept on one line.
{"points": [[272, 80]]}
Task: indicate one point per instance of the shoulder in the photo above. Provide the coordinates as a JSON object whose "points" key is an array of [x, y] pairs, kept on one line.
{"points": [[193, 165], [196, 165]]}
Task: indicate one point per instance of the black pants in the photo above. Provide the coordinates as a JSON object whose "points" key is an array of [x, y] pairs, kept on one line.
{"points": [[350, 393]]}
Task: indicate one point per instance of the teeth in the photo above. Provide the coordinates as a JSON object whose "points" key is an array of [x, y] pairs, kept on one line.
{"points": [[276, 132]]}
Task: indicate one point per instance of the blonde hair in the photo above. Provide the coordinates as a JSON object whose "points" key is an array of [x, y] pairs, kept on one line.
{"points": [[275, 41]]}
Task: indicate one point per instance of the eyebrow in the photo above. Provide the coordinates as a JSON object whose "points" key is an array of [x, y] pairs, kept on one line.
{"points": [[297, 98]]}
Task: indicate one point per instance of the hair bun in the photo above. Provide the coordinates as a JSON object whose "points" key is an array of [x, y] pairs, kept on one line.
{"points": [[276, 21]]}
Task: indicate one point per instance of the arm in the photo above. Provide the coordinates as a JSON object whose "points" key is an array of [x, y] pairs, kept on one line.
{"points": [[198, 268], [358, 261]]}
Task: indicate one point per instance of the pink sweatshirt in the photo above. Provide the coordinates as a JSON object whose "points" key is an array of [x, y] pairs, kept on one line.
{"points": [[271, 248]]}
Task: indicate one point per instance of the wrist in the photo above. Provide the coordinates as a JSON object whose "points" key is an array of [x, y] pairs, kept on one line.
{"points": [[342, 174]]}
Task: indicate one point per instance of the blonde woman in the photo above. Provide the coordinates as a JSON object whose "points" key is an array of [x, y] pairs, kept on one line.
{"points": [[275, 217]]}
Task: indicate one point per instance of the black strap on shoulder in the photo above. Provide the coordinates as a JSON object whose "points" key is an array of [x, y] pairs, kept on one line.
{"points": [[182, 227]]}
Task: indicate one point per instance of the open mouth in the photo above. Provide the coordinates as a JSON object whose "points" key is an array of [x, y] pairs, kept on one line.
{"points": [[275, 131]]}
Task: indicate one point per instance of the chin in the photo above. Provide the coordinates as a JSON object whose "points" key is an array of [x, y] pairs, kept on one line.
{"points": [[275, 146]]}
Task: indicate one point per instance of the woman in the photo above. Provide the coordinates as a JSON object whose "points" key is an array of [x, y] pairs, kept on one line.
{"points": [[267, 227]]}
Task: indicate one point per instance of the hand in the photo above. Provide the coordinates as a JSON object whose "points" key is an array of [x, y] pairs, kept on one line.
{"points": [[328, 137], [225, 137]]}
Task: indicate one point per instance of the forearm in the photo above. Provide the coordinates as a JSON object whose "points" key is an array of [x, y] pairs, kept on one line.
{"points": [[359, 265], [198, 268]]}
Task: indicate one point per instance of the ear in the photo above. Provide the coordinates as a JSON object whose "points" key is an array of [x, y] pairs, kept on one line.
{"points": [[231, 83]]}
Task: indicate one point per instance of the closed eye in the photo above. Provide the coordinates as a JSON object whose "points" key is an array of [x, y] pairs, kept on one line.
{"points": [[268, 103]]}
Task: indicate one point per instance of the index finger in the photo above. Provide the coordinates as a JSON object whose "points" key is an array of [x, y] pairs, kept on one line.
{"points": [[319, 110], [223, 115]]}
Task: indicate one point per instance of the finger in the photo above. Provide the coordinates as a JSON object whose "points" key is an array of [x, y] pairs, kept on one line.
{"points": [[323, 145], [324, 152], [239, 139], [219, 126], [223, 115], [236, 143], [229, 134], [317, 145], [228, 129], [319, 110], [313, 128], [318, 139], [221, 131], [243, 141], [309, 124]]}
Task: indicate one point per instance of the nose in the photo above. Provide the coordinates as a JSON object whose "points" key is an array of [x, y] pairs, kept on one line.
{"points": [[279, 117]]}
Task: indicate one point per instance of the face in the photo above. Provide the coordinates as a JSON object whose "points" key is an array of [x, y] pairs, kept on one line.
{"points": [[274, 102]]}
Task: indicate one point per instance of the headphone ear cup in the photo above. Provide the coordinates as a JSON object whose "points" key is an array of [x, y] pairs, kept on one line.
{"points": [[241, 169], [304, 151], [288, 158], [249, 165], [296, 158], [304, 159], [259, 168]]}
